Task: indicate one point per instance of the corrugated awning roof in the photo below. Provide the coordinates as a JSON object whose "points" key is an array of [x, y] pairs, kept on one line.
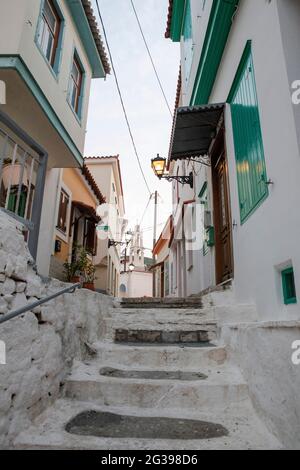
{"points": [[194, 129]]}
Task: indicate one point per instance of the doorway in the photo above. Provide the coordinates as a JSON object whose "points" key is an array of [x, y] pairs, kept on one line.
{"points": [[222, 211]]}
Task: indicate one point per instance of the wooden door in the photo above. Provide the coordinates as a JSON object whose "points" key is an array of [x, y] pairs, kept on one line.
{"points": [[222, 214]]}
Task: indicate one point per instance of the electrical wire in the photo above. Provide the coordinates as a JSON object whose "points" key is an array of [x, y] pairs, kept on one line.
{"points": [[151, 59], [121, 99], [144, 213]]}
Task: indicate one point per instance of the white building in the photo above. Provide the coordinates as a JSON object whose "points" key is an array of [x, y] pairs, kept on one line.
{"points": [[239, 62], [50, 50], [136, 280], [107, 174]]}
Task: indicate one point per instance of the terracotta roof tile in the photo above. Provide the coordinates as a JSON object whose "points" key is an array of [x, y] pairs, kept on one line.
{"points": [[177, 101], [96, 34], [91, 181], [169, 21]]}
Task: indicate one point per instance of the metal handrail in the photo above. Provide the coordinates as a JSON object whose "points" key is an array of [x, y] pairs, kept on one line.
{"points": [[28, 308]]}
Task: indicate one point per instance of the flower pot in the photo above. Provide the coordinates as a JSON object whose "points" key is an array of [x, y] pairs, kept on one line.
{"points": [[89, 286], [75, 279], [11, 175]]}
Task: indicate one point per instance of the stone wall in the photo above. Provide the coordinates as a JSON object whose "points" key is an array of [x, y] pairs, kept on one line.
{"points": [[40, 345], [264, 353]]}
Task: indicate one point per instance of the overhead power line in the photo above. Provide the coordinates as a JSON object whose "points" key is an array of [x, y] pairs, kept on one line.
{"points": [[144, 213], [121, 99], [151, 59]]}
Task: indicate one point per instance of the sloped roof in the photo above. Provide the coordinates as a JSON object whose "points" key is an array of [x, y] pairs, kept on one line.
{"points": [[96, 34], [91, 181], [169, 20], [109, 157], [177, 101]]}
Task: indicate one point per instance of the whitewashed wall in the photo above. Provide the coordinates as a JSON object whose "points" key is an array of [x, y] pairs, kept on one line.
{"points": [[18, 25], [40, 345]]}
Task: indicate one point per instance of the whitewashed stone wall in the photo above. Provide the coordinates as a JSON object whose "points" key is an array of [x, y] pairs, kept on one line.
{"points": [[264, 353], [41, 345]]}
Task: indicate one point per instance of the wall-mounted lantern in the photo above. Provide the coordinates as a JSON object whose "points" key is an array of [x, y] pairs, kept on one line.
{"points": [[159, 166]]}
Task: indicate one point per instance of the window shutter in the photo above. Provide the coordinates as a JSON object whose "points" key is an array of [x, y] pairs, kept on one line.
{"points": [[249, 150]]}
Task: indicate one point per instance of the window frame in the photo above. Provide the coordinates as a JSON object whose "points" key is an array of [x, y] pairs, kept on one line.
{"points": [[56, 54], [58, 228], [288, 300], [77, 111]]}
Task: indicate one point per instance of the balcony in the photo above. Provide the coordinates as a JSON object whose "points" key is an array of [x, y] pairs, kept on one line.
{"points": [[22, 177]]}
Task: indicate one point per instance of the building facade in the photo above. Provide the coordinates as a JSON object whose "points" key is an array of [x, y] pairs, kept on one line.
{"points": [[107, 173], [47, 65], [161, 268], [136, 279], [77, 202], [236, 130]]}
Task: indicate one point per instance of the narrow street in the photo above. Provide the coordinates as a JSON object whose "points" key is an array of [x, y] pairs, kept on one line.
{"points": [[149, 229]]}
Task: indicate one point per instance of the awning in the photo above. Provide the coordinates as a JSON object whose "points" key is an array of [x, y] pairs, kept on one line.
{"points": [[87, 210], [194, 129]]}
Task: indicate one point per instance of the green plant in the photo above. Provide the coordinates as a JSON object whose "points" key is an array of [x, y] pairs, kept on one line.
{"points": [[89, 273], [71, 270], [85, 265]]}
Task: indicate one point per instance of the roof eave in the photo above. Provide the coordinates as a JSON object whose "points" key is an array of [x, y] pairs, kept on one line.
{"points": [[175, 19], [79, 15]]}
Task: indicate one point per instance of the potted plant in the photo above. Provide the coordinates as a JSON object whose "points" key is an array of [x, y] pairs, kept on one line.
{"points": [[72, 272], [89, 276]]}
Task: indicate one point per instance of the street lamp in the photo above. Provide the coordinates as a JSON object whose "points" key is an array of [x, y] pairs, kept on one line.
{"points": [[131, 267], [159, 166]]}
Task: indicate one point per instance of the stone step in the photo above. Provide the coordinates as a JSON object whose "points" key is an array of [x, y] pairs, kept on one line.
{"points": [[244, 429], [161, 336], [223, 386], [160, 356], [150, 302], [222, 314], [135, 329]]}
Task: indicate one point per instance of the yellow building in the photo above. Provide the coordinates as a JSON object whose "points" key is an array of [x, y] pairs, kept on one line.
{"points": [[78, 197]]}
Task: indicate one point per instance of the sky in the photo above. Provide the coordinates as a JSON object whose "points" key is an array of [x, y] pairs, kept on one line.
{"points": [[151, 123]]}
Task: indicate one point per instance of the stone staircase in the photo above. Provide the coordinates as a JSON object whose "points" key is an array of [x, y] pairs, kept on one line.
{"points": [[160, 378]]}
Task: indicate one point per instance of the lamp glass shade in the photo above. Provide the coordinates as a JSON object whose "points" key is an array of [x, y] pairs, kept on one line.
{"points": [[131, 267], [159, 166]]}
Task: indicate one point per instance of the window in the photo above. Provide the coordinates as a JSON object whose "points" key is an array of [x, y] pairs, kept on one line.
{"points": [[49, 31], [76, 81], [249, 150], [288, 285], [63, 211], [188, 46]]}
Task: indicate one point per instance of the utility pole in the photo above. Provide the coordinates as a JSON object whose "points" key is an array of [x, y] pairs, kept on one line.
{"points": [[154, 238]]}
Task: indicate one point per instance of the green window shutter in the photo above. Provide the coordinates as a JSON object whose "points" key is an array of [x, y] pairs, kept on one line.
{"points": [[249, 150], [188, 40]]}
